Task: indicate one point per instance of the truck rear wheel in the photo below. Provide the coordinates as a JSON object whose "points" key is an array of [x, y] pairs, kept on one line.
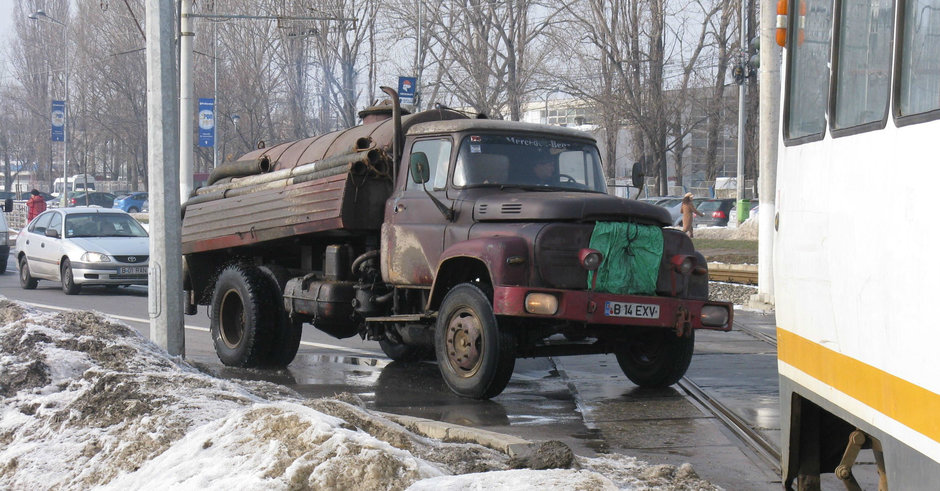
{"points": [[475, 356], [285, 339], [656, 358], [244, 316]]}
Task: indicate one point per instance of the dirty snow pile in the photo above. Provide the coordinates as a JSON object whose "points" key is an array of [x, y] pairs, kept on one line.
{"points": [[86, 402]]}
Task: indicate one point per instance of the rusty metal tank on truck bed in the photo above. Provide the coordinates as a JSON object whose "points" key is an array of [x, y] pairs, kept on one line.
{"points": [[301, 187]]}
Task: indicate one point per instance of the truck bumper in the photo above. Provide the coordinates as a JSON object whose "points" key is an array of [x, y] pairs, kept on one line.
{"points": [[612, 309]]}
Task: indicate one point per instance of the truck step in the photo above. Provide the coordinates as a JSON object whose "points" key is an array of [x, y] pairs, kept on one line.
{"points": [[404, 318]]}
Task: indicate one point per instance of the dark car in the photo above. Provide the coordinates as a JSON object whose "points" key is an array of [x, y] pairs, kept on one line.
{"points": [[45, 196], [716, 212], [96, 198]]}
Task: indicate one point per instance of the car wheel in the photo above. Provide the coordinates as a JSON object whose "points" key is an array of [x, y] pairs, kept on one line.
{"points": [[133, 209], [475, 356], [26, 280], [245, 316], [68, 279], [657, 358]]}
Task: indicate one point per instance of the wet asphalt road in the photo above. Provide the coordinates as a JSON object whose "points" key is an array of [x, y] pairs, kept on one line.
{"points": [[584, 401]]}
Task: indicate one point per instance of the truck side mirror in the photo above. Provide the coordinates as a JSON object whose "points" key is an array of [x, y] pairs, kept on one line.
{"points": [[8, 205], [420, 168]]}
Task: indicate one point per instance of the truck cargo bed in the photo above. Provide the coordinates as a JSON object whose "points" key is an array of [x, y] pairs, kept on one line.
{"points": [[342, 201]]}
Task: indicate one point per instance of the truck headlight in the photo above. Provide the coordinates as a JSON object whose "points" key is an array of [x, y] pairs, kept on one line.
{"points": [[541, 303], [714, 316], [95, 257]]}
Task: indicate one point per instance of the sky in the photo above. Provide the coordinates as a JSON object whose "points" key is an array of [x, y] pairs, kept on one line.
{"points": [[87, 402]]}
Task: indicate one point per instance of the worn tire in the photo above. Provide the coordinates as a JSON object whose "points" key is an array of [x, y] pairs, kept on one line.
{"points": [[68, 279], [244, 316], [657, 358], [27, 282], [475, 356], [285, 339]]}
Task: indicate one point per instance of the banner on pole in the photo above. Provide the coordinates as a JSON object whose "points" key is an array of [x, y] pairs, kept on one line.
{"points": [[58, 121], [406, 89], [206, 122]]}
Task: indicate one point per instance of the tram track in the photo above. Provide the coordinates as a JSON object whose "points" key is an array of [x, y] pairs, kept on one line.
{"points": [[757, 443]]}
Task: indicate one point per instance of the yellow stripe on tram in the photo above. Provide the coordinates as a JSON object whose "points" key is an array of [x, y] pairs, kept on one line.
{"points": [[907, 403]]}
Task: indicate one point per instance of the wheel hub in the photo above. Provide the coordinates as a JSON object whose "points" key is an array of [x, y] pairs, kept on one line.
{"points": [[464, 337], [231, 319]]}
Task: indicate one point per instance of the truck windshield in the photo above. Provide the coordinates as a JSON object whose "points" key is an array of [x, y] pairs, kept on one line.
{"points": [[528, 162]]}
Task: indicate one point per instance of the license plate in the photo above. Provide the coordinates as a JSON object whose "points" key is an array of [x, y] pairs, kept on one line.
{"points": [[636, 310], [133, 270]]}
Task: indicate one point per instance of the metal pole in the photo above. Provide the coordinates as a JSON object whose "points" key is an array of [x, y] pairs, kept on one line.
{"points": [[186, 99], [770, 55], [742, 88], [165, 275], [215, 95], [65, 163]]}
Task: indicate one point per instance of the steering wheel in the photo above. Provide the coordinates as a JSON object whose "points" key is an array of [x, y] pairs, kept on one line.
{"points": [[567, 179]]}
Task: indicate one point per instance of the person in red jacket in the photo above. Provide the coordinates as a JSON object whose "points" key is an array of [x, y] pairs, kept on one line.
{"points": [[35, 204]]}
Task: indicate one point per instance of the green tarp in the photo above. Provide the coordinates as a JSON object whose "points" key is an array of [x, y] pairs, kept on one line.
{"points": [[632, 254]]}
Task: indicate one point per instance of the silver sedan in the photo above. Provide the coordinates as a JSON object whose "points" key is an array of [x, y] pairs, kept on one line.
{"points": [[83, 246]]}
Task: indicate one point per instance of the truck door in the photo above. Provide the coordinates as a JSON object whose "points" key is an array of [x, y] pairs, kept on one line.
{"points": [[413, 232]]}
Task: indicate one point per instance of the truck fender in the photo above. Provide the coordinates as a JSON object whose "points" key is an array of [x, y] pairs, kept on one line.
{"points": [[503, 260]]}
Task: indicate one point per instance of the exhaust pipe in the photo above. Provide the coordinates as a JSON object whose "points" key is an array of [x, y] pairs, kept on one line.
{"points": [[399, 139]]}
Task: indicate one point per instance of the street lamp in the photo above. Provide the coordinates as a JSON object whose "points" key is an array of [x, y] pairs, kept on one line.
{"points": [[41, 15]]}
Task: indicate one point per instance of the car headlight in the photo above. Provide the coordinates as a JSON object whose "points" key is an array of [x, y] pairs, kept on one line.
{"points": [[95, 257], [4, 236]]}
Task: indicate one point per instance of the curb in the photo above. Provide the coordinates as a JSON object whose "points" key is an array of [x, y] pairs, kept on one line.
{"points": [[514, 447]]}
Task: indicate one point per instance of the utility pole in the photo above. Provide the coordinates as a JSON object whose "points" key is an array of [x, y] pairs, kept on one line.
{"points": [[186, 99], [770, 55], [742, 119], [165, 275]]}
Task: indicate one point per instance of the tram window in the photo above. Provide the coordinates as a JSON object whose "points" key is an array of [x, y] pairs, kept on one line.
{"points": [[808, 71], [919, 67], [863, 62]]}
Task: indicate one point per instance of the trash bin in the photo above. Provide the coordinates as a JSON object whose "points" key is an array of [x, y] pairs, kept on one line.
{"points": [[744, 208]]}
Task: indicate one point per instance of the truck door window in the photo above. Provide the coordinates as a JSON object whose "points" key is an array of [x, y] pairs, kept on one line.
{"points": [[438, 152]]}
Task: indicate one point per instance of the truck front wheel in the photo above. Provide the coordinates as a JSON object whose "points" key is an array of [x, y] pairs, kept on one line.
{"points": [[656, 358], [244, 316], [475, 356]]}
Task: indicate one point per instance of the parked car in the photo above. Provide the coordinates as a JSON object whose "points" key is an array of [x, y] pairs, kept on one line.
{"points": [[83, 246], [131, 203], [716, 212], [95, 198], [45, 196]]}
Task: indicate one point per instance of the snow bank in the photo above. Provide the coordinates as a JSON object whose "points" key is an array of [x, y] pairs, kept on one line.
{"points": [[88, 403]]}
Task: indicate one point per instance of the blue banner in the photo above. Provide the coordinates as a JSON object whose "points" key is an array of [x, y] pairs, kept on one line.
{"points": [[407, 86], [58, 121], [206, 122]]}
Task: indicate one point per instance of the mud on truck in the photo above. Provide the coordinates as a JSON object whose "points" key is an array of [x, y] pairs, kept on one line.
{"points": [[432, 234]]}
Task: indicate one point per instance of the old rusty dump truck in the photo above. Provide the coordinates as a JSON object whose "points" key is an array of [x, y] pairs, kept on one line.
{"points": [[435, 235]]}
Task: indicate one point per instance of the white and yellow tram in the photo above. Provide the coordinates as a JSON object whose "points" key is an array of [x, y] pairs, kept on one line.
{"points": [[856, 263]]}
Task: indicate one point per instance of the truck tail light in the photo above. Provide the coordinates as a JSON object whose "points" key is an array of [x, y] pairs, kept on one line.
{"points": [[683, 263], [541, 303], [714, 316], [590, 259], [719, 214]]}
